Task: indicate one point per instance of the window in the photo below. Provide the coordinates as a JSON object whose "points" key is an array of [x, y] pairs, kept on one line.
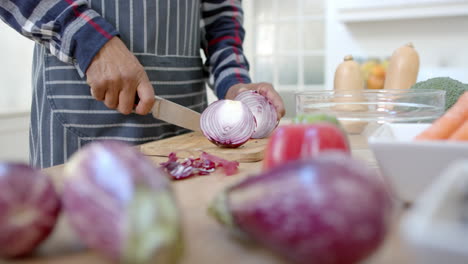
{"points": [[288, 43]]}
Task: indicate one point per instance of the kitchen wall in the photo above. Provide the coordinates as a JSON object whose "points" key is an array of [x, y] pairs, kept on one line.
{"points": [[15, 70], [437, 28], [15, 89], [14, 131]]}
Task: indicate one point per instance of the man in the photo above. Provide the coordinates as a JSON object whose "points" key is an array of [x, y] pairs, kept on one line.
{"points": [[93, 57]]}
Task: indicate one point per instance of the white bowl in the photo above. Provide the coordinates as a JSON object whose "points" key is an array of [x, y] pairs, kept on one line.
{"points": [[411, 165], [435, 229]]}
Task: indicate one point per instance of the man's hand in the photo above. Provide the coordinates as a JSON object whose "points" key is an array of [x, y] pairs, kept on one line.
{"points": [[264, 89], [115, 76]]}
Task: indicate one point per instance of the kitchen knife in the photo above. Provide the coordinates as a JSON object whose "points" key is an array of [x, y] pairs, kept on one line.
{"points": [[176, 114]]}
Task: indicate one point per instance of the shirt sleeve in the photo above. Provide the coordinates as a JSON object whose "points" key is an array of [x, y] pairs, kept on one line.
{"points": [[70, 29], [223, 36]]}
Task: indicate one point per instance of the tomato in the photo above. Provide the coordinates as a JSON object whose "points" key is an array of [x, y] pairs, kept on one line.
{"points": [[298, 141]]}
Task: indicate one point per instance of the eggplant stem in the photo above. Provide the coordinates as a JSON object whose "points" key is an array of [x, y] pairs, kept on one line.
{"points": [[219, 210]]}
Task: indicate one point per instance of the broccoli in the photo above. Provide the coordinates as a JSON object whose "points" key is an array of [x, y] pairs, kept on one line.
{"points": [[314, 118], [453, 88]]}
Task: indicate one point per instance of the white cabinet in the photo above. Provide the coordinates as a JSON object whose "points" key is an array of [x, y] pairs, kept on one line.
{"points": [[367, 10]]}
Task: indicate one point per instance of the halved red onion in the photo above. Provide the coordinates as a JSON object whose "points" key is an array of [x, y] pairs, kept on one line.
{"points": [[228, 123], [29, 207], [121, 204], [263, 110]]}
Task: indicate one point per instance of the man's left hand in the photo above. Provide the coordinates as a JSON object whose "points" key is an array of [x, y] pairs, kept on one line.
{"points": [[265, 89]]}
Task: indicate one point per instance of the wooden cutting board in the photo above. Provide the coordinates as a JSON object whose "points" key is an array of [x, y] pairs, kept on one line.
{"points": [[192, 145]]}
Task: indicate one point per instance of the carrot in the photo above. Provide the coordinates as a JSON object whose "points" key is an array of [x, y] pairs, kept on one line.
{"points": [[447, 124], [461, 134]]}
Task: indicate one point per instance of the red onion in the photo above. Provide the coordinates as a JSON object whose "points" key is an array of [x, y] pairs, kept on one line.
{"points": [[227, 123], [230, 167], [331, 209], [121, 204], [264, 112], [29, 207], [187, 168], [203, 165]]}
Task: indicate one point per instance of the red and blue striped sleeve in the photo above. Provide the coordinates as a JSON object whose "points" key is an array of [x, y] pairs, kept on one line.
{"points": [[70, 29], [223, 31]]}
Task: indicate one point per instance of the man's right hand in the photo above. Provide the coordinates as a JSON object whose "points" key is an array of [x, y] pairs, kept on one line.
{"points": [[115, 76]]}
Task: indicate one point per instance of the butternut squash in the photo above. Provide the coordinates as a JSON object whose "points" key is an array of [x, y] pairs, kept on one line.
{"points": [[348, 75], [403, 68], [348, 84]]}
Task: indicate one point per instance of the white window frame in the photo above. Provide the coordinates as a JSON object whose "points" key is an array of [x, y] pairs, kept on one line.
{"points": [[250, 22]]}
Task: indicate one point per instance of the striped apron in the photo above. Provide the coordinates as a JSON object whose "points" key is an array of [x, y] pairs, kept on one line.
{"points": [[164, 35]]}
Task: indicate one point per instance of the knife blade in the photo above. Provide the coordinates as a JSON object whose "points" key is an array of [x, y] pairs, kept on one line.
{"points": [[175, 114]]}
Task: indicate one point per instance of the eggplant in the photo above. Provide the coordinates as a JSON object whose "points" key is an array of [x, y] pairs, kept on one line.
{"points": [[331, 209], [122, 205], [29, 209]]}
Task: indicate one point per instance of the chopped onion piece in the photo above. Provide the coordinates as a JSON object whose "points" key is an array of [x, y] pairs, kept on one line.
{"points": [[203, 165]]}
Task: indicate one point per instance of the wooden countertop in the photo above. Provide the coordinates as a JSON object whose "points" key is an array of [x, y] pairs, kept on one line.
{"points": [[206, 242]]}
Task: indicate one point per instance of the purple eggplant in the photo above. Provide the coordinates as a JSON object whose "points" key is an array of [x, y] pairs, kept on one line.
{"points": [[29, 208], [329, 210], [121, 204]]}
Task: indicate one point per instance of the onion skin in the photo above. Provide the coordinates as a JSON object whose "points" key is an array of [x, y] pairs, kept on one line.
{"points": [[263, 110], [121, 204], [227, 123], [327, 210], [29, 208]]}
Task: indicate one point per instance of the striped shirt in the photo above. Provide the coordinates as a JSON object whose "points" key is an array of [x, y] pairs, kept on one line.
{"points": [[74, 33]]}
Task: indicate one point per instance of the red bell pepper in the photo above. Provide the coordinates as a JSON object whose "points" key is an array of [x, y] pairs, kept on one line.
{"points": [[299, 141]]}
